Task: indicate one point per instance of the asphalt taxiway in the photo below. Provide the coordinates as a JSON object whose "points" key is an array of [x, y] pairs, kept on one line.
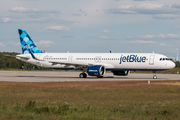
{"points": [[38, 76]]}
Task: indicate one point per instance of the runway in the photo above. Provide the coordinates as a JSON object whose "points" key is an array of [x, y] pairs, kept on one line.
{"points": [[38, 76]]}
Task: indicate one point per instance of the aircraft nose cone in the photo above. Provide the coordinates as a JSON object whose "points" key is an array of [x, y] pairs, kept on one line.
{"points": [[172, 65]]}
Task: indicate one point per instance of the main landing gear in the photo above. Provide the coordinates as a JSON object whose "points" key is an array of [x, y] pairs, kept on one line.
{"points": [[154, 75], [83, 75], [99, 76]]}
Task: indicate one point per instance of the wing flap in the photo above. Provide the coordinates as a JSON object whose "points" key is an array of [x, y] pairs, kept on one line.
{"points": [[69, 63]]}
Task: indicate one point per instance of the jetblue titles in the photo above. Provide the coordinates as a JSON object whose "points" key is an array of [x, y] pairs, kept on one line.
{"points": [[132, 58], [27, 46], [93, 71]]}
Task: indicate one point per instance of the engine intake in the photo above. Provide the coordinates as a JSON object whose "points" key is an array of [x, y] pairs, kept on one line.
{"points": [[96, 70]]}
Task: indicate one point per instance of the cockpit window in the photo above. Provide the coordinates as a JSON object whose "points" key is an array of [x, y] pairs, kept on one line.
{"points": [[163, 59]]}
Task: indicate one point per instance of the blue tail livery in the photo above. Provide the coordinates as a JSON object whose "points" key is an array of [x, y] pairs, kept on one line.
{"points": [[27, 43]]}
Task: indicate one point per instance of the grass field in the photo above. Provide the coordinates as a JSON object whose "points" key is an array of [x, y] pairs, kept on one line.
{"points": [[172, 71], [90, 100]]}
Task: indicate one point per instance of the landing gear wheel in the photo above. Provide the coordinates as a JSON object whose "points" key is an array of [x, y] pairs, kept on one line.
{"points": [[83, 75], [154, 77]]}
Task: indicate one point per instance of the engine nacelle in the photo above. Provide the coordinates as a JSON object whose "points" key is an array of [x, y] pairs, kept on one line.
{"points": [[121, 73], [96, 70]]}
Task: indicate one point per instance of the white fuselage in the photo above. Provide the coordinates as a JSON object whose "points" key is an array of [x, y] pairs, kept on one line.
{"points": [[111, 61]]}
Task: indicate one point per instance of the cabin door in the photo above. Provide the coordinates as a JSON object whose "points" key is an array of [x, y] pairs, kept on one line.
{"points": [[151, 59], [70, 58]]}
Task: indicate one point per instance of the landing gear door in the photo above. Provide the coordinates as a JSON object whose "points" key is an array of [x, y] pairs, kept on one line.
{"points": [[151, 59]]}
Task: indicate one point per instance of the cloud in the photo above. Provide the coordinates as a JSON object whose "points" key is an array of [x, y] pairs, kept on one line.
{"points": [[56, 28], [160, 36], [142, 42], [174, 36], [22, 9], [106, 31], [166, 16], [151, 9], [109, 38], [5, 20], [164, 44], [145, 0], [80, 13], [33, 15], [29, 0], [44, 43], [51, 19], [121, 10], [32, 10], [2, 45], [14, 43], [142, 37], [76, 14], [176, 5]]}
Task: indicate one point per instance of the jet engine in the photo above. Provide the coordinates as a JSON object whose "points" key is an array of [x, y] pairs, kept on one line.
{"points": [[120, 73], [96, 70]]}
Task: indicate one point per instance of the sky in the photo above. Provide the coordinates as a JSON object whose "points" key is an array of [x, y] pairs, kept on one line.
{"points": [[122, 26]]}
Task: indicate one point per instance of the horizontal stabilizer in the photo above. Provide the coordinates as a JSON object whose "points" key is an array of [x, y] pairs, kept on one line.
{"points": [[20, 57]]}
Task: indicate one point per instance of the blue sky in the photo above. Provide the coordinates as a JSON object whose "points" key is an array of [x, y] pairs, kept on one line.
{"points": [[92, 25]]}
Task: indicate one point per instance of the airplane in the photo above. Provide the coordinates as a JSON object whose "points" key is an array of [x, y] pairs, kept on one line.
{"points": [[93, 64]]}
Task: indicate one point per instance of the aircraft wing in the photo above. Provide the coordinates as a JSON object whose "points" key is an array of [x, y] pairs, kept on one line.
{"points": [[25, 58], [79, 65]]}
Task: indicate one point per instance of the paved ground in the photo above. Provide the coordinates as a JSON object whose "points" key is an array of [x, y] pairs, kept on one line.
{"points": [[36, 76]]}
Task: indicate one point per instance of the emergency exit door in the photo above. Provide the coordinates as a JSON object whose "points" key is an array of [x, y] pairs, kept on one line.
{"points": [[151, 59]]}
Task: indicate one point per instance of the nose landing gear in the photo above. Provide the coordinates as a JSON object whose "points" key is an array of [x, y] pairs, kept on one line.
{"points": [[154, 75]]}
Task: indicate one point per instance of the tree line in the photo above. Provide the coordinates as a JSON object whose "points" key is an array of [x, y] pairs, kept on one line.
{"points": [[7, 62], [12, 62]]}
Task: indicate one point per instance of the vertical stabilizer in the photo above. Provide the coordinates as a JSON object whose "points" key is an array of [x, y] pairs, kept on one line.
{"points": [[27, 43]]}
